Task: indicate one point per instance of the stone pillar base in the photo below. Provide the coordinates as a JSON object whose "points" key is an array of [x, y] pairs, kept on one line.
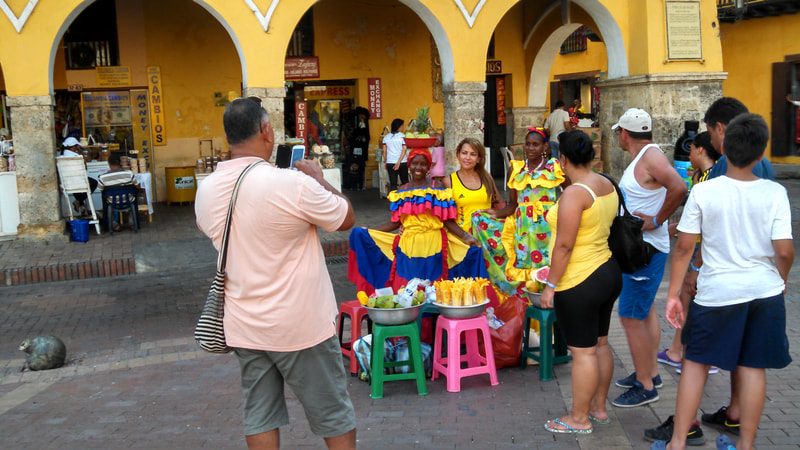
{"points": [[522, 118], [670, 99], [463, 115], [53, 231]]}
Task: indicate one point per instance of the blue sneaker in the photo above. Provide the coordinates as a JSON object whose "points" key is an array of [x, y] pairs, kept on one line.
{"points": [[627, 382], [636, 396]]}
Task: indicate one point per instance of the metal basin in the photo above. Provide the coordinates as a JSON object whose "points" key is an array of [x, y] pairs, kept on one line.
{"points": [[534, 297], [394, 316], [462, 312]]}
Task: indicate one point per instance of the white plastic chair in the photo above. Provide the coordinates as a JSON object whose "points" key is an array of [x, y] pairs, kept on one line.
{"points": [[72, 178], [507, 157]]}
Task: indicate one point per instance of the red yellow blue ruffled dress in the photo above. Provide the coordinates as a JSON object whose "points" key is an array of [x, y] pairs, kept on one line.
{"points": [[518, 244], [424, 250]]}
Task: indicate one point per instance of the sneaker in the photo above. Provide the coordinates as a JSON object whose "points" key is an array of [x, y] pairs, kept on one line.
{"points": [[664, 433], [665, 359], [711, 370], [627, 382], [721, 420], [636, 396]]}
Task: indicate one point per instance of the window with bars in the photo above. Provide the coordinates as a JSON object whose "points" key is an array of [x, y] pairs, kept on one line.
{"points": [[575, 42], [302, 42], [91, 40]]}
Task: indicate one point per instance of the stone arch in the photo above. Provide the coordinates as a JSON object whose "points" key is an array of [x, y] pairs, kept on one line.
{"points": [[439, 36], [607, 27], [75, 12]]}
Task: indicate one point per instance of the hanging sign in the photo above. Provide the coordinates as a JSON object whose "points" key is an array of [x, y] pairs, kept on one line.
{"points": [[140, 115], [106, 109], [328, 92], [156, 105], [113, 76], [300, 68], [500, 86], [494, 66], [301, 117], [375, 100]]}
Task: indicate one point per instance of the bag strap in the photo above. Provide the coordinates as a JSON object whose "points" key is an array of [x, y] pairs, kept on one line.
{"points": [[223, 250], [619, 193]]}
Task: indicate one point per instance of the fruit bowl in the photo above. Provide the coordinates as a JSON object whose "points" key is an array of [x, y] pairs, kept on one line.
{"points": [[462, 312], [420, 142], [395, 316], [534, 297]]}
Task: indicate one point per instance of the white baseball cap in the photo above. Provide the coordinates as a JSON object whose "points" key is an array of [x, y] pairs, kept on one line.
{"points": [[70, 142], [636, 120]]}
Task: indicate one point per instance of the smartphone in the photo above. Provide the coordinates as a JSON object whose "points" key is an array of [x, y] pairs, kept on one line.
{"points": [[288, 155]]}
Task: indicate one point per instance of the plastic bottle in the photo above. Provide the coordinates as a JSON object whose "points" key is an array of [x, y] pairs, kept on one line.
{"points": [[683, 148]]}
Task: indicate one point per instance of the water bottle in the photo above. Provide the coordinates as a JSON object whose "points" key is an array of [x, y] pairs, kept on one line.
{"points": [[683, 148]]}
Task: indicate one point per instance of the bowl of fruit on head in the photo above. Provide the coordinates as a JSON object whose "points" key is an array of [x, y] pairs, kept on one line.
{"points": [[417, 135], [394, 309]]}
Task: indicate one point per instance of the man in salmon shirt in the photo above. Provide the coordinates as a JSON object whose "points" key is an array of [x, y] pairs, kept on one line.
{"points": [[280, 310]]}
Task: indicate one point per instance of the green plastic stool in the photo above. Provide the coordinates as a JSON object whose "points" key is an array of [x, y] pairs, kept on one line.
{"points": [[417, 369], [551, 354]]}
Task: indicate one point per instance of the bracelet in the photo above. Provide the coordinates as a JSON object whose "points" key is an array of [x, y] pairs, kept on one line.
{"points": [[549, 284], [696, 269], [655, 222]]}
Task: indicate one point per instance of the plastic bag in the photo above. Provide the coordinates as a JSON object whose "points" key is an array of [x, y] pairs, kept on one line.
{"points": [[395, 349], [507, 340]]}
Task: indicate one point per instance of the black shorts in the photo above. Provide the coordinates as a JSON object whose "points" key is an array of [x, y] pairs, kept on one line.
{"points": [[583, 312]]}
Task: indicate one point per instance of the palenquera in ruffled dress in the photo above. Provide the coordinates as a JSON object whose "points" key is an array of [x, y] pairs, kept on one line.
{"points": [[518, 244], [424, 249]]}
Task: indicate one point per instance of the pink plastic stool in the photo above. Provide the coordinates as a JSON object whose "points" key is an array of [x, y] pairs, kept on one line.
{"points": [[357, 314], [450, 366]]}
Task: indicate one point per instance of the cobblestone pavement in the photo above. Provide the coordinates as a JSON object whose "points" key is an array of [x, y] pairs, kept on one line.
{"points": [[135, 378]]}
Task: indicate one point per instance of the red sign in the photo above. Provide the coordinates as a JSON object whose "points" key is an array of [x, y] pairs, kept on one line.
{"points": [[75, 87], [299, 68], [301, 121], [375, 101], [500, 84]]}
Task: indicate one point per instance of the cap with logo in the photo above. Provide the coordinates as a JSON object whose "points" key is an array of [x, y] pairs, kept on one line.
{"points": [[636, 120]]}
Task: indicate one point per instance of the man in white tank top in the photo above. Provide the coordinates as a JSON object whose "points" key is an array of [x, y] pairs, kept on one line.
{"points": [[653, 191]]}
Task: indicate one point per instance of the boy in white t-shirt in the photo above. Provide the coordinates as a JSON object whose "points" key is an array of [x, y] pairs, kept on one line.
{"points": [[737, 320]]}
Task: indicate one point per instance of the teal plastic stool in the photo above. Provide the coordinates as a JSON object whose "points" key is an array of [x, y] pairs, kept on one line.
{"points": [[416, 367], [550, 354], [431, 310]]}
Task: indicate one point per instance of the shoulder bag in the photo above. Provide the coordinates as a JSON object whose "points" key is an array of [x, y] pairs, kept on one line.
{"points": [[208, 333], [625, 240]]}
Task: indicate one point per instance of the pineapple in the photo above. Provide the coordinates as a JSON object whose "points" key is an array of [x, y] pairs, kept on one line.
{"points": [[422, 122]]}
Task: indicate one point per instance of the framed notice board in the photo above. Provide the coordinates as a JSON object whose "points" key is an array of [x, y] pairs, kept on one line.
{"points": [[683, 30]]}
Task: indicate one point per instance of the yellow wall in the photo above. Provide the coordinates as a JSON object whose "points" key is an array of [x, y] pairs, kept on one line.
{"points": [[748, 61], [508, 49]]}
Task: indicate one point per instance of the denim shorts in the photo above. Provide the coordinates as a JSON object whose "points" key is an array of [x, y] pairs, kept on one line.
{"points": [[751, 334], [316, 376], [639, 288]]}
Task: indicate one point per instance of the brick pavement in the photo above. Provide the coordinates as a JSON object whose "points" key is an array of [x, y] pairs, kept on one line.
{"points": [[134, 377]]}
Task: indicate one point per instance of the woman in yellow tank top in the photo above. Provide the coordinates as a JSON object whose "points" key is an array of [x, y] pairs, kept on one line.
{"points": [[584, 281], [469, 184]]}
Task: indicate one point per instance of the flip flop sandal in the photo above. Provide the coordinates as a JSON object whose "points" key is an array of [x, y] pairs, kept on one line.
{"points": [[568, 429], [600, 421]]}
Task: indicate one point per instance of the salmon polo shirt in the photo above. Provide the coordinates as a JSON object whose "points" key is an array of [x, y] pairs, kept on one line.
{"points": [[278, 294]]}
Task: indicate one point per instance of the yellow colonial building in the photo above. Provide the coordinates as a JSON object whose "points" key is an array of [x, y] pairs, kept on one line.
{"points": [[152, 77]]}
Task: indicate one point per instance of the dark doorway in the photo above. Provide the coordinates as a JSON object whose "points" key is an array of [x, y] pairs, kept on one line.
{"points": [[494, 131]]}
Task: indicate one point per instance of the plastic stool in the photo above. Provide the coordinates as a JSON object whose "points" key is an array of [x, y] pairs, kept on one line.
{"points": [[450, 365], [552, 354], [416, 366], [356, 313]]}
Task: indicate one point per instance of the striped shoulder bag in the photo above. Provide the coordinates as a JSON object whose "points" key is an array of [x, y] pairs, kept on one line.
{"points": [[209, 333]]}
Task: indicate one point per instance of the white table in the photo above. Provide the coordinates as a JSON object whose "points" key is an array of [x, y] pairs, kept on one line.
{"points": [[9, 206]]}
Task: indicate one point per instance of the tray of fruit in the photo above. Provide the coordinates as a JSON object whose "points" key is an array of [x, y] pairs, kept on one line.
{"points": [[389, 310], [420, 142], [461, 298]]}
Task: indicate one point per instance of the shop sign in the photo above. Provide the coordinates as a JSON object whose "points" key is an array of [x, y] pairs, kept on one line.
{"points": [[297, 68], [184, 182], [106, 109], [494, 66], [140, 113], [156, 105], [500, 86], [74, 87], [328, 92], [375, 100], [301, 121], [113, 76]]}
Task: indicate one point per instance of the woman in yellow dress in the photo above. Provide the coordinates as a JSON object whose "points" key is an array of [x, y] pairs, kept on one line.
{"points": [[473, 187]]}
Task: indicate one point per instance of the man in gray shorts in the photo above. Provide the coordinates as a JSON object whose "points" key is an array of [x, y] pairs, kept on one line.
{"points": [[280, 310]]}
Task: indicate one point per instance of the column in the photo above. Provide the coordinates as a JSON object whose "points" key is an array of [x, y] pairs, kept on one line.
{"points": [[670, 99], [463, 117], [272, 100], [37, 181], [519, 119]]}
